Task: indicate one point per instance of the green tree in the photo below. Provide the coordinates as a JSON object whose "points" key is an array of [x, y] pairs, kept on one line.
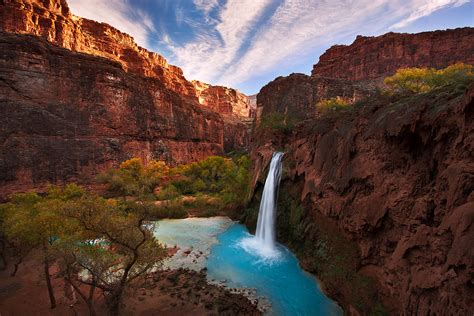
{"points": [[120, 248], [132, 178], [32, 221]]}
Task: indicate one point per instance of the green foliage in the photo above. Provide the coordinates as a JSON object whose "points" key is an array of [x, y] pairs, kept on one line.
{"points": [[218, 177], [221, 182], [336, 104], [30, 219], [132, 178], [109, 240], [119, 247], [170, 209], [420, 80], [278, 122], [169, 192]]}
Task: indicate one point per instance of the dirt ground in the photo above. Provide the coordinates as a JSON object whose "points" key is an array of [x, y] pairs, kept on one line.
{"points": [[176, 292]]}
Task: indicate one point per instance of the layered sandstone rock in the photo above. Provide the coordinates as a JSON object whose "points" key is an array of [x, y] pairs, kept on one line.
{"points": [[398, 180], [395, 178], [66, 116], [78, 96], [52, 20], [296, 96], [377, 57], [224, 100]]}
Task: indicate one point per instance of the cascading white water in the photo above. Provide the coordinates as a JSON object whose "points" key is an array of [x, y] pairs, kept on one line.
{"points": [[263, 244], [267, 212]]}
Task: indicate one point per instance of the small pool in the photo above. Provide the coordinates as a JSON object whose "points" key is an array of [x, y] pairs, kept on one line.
{"points": [[218, 244]]}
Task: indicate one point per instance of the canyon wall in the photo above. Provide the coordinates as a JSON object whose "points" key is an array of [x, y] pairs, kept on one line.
{"points": [[378, 57], [224, 100], [377, 201], [78, 96]]}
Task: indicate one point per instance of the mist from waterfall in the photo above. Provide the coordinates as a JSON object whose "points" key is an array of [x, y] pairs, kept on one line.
{"points": [[263, 243]]}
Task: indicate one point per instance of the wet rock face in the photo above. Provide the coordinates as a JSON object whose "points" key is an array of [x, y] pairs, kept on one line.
{"points": [[399, 180], [377, 57]]}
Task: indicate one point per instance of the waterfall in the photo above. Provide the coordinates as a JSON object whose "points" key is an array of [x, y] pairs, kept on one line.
{"points": [[263, 243], [267, 212]]}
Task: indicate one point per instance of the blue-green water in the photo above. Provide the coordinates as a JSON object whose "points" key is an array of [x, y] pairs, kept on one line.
{"points": [[290, 290], [220, 245]]}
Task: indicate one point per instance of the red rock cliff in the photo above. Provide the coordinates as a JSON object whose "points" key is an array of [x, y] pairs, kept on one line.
{"points": [[52, 20], [394, 178], [78, 96], [376, 57], [224, 100]]}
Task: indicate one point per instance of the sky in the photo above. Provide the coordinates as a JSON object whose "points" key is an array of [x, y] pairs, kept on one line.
{"points": [[245, 44]]}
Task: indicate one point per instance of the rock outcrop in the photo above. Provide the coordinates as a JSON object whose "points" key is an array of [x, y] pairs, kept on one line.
{"points": [[78, 96], [53, 21], [377, 57], [393, 179], [226, 101]]}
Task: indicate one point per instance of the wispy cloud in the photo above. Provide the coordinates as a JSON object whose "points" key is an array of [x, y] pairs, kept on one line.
{"points": [[211, 52], [426, 9], [118, 13], [206, 5], [232, 41], [298, 26]]}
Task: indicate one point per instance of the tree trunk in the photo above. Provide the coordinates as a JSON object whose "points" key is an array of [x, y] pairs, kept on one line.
{"points": [[3, 260], [115, 301], [52, 299], [15, 267], [90, 306], [90, 299]]}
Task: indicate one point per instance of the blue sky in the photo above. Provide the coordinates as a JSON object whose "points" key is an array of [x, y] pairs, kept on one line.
{"points": [[247, 43]]}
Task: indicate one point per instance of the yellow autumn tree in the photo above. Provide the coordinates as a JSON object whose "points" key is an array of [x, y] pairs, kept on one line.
{"points": [[419, 80]]}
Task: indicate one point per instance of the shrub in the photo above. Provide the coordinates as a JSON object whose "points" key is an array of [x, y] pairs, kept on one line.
{"points": [[223, 178], [278, 122], [333, 104], [169, 192], [132, 178], [419, 80]]}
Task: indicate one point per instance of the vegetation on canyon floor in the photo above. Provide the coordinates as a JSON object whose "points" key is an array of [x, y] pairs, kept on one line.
{"points": [[109, 240], [215, 185], [94, 241]]}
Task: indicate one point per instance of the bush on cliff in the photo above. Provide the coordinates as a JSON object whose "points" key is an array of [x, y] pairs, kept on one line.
{"points": [[419, 80], [336, 104], [277, 121]]}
